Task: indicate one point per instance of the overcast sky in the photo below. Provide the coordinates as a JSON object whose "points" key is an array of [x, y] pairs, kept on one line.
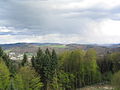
{"points": [[60, 21]]}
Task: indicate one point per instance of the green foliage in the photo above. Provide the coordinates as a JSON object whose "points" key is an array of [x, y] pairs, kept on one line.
{"points": [[116, 61], [107, 76], [4, 76], [46, 65], [1, 52], [68, 71], [19, 85], [82, 65], [33, 61], [116, 81], [91, 68], [5, 58], [66, 81], [12, 84], [54, 61], [105, 63], [27, 79], [25, 60]]}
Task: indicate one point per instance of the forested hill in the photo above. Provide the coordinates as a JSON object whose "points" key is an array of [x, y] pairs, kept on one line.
{"points": [[32, 47]]}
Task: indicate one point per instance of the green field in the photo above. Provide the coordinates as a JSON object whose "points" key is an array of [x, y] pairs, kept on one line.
{"points": [[54, 46]]}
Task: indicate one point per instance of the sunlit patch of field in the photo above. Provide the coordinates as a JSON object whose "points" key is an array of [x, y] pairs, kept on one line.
{"points": [[54, 46], [97, 87]]}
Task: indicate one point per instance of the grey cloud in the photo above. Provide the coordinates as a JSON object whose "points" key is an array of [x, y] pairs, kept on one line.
{"points": [[95, 13], [38, 19], [30, 17]]}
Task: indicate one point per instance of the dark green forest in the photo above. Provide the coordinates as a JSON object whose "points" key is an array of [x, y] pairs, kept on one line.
{"points": [[68, 70]]}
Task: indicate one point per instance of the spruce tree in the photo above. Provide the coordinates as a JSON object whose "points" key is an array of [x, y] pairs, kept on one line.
{"points": [[54, 69], [6, 60], [25, 60], [33, 61], [1, 52], [54, 59], [38, 62], [47, 68]]}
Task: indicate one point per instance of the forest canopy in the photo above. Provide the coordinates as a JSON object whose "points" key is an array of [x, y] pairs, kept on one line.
{"points": [[49, 70]]}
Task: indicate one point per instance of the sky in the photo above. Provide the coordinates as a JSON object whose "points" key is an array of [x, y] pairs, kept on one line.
{"points": [[60, 21]]}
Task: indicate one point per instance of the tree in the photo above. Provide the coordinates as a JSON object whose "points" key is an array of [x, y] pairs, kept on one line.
{"points": [[18, 82], [65, 81], [54, 61], [46, 65], [4, 76], [27, 79], [73, 64], [38, 62], [105, 65], [1, 52], [116, 81], [25, 60], [116, 61], [47, 69], [91, 68], [33, 61], [54, 69], [5, 57]]}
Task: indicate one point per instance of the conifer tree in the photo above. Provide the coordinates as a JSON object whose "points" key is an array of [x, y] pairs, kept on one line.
{"points": [[1, 52], [25, 60], [6, 60], [33, 61], [54, 62], [47, 69], [39, 60]]}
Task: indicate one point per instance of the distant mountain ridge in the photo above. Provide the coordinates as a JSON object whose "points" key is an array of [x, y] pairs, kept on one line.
{"points": [[7, 46], [19, 44]]}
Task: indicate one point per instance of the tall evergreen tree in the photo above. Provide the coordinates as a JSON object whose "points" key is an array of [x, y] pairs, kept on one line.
{"points": [[54, 62], [38, 62], [25, 60], [45, 64], [47, 52], [33, 61], [47, 69], [6, 60], [1, 52]]}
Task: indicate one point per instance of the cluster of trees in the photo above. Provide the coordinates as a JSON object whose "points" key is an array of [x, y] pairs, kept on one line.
{"points": [[110, 69], [82, 66], [46, 64], [17, 76], [66, 71]]}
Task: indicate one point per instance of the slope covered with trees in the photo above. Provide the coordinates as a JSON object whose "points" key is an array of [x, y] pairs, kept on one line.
{"points": [[68, 70]]}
